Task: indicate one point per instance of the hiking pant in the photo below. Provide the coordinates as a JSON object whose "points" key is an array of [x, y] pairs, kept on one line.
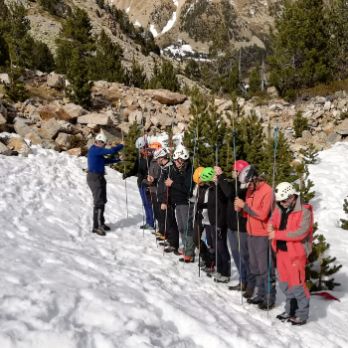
{"points": [[292, 282], [156, 207], [240, 256], [146, 199], [184, 220], [170, 230], [222, 255], [97, 184], [261, 269]]}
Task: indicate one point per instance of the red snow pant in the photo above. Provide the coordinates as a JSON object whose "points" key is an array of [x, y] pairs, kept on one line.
{"points": [[292, 270]]}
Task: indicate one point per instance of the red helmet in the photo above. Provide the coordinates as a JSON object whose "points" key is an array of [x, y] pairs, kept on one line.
{"points": [[239, 165]]}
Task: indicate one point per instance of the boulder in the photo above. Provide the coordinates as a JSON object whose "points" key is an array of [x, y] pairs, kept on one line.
{"points": [[272, 92], [76, 151], [33, 137], [21, 127], [19, 145], [50, 129], [73, 111], [4, 150], [333, 138], [342, 128], [53, 110], [65, 141], [135, 116], [56, 81], [5, 79], [166, 97], [96, 118]]}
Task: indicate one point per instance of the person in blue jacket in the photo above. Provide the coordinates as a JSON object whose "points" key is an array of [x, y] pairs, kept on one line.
{"points": [[96, 179]]}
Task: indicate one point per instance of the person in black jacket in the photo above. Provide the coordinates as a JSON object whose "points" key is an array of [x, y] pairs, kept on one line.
{"points": [[140, 169], [180, 187], [237, 233], [217, 227], [171, 233]]}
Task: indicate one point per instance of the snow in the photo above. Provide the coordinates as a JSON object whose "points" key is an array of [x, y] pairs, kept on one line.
{"points": [[153, 30], [62, 286], [137, 23], [169, 24]]}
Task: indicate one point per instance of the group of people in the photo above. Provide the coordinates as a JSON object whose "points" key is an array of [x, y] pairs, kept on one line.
{"points": [[202, 209]]}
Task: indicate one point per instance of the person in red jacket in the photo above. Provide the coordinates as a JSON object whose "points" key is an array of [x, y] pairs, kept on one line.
{"points": [[257, 209], [291, 229]]}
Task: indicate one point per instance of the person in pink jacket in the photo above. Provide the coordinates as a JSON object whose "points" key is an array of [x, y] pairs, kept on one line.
{"points": [[257, 209], [291, 230]]}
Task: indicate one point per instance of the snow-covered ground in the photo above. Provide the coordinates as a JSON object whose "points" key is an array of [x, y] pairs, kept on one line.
{"points": [[63, 287]]}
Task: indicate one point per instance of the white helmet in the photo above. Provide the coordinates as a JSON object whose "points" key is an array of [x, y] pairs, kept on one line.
{"points": [[101, 137], [140, 143], [163, 152], [181, 152], [283, 191]]}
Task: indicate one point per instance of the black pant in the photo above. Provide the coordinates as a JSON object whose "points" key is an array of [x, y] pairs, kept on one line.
{"points": [[97, 184], [171, 231]]}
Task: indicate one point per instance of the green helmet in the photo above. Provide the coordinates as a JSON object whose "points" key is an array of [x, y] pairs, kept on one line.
{"points": [[207, 174]]}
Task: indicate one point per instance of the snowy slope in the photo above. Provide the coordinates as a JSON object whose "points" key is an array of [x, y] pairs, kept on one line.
{"points": [[62, 287]]}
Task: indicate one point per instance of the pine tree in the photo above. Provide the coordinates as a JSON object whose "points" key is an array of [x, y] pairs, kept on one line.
{"points": [[137, 76], [130, 152], [106, 63], [277, 145], [300, 124], [301, 55], [165, 77], [255, 81], [250, 139], [344, 222], [15, 90], [206, 130], [79, 90]]}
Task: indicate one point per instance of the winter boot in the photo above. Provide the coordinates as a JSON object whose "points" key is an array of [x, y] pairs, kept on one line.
{"points": [[255, 300], [169, 249], [297, 321], [266, 306], [238, 287], [187, 259], [248, 293], [283, 316], [219, 278], [106, 227], [99, 231]]}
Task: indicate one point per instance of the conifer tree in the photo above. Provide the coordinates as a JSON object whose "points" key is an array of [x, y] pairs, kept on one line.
{"points": [[165, 77], [15, 90], [206, 130], [300, 124], [137, 76], [255, 80], [106, 64], [251, 139], [301, 54], [79, 90], [344, 222], [130, 152], [277, 145]]}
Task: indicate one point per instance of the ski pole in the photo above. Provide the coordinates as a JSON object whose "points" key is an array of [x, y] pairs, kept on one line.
{"points": [[237, 215], [275, 147], [125, 180]]}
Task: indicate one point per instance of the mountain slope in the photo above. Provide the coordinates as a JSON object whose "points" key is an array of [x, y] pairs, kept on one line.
{"points": [[64, 287]]}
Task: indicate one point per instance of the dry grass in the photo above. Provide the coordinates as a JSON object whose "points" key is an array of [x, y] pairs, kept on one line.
{"points": [[325, 89], [42, 92]]}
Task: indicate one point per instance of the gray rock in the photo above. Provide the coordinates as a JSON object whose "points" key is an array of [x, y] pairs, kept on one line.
{"points": [[333, 138], [3, 120], [65, 141], [4, 150], [166, 97], [50, 129], [56, 81], [100, 119], [4, 78], [21, 127], [74, 111]]}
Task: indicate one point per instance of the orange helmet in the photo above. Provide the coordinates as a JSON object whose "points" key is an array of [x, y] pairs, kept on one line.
{"points": [[155, 145], [196, 175]]}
